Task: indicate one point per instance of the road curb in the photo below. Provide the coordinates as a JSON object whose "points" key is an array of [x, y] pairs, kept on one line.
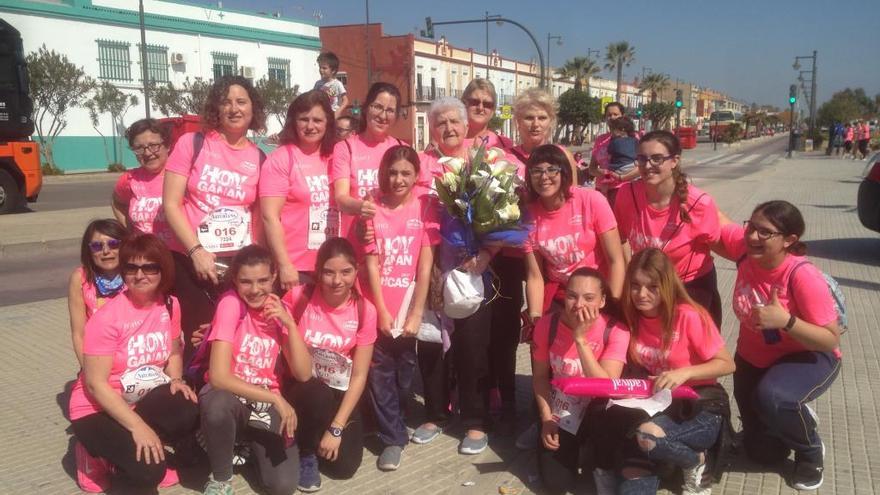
{"points": [[22, 249]]}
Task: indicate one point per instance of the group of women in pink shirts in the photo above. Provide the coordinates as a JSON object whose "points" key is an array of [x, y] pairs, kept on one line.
{"points": [[296, 284]]}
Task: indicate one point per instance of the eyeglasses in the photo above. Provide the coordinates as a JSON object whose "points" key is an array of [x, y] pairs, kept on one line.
{"points": [[551, 171], [763, 234], [343, 130], [147, 148], [110, 244], [378, 108], [130, 269], [655, 160], [476, 102]]}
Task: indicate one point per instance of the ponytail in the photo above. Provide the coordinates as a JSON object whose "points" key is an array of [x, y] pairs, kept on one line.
{"points": [[681, 190]]}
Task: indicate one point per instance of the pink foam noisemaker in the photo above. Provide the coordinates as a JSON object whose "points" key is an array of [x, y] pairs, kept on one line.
{"points": [[617, 388]]}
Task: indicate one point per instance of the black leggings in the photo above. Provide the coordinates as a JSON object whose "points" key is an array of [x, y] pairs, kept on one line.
{"points": [[197, 298], [434, 369], [316, 405], [505, 328], [171, 416], [704, 290], [559, 468]]}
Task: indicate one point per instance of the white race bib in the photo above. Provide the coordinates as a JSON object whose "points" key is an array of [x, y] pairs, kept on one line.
{"points": [[139, 382], [318, 225], [227, 228], [330, 367], [568, 411]]}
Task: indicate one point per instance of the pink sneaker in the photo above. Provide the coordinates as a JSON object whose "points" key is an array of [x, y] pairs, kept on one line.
{"points": [[92, 473], [170, 478]]}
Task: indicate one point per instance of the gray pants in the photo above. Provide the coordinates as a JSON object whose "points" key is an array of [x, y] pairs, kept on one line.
{"points": [[224, 419]]}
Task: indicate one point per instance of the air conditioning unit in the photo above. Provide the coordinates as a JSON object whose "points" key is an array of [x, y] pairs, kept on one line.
{"points": [[178, 58], [247, 72]]}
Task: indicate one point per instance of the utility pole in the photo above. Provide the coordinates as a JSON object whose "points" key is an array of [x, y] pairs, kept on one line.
{"points": [[813, 83], [145, 75], [369, 52], [549, 75]]}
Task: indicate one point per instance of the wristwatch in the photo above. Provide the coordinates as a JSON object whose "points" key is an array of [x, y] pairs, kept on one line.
{"points": [[335, 431]]}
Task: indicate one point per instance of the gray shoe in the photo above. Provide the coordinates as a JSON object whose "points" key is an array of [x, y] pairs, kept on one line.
{"points": [[214, 487], [472, 446], [424, 434], [389, 460]]}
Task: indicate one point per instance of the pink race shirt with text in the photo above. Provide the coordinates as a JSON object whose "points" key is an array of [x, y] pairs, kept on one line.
{"points": [[142, 192], [303, 181], [687, 244], [567, 238], [256, 342], [400, 235], [562, 354], [810, 299], [221, 176], [695, 340], [333, 329], [132, 336]]}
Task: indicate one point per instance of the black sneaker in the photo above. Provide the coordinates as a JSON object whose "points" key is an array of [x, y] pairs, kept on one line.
{"points": [[808, 474]]}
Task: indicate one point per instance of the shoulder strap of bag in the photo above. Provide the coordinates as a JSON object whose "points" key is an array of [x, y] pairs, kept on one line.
{"points": [[169, 305], [198, 143], [554, 327], [303, 301], [607, 335], [791, 277]]}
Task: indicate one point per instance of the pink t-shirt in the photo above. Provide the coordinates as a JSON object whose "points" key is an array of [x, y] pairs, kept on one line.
{"points": [[256, 342], [142, 192], [333, 329], [221, 177], [400, 235], [133, 336], [90, 294], [865, 132], [695, 340], [567, 238], [811, 299], [306, 215], [562, 354], [492, 140], [850, 134], [687, 244]]}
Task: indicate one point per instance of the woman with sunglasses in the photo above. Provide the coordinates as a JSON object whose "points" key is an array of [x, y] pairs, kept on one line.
{"points": [[665, 212], [787, 352], [130, 399], [97, 279], [209, 193], [137, 197], [294, 189], [354, 173], [480, 99]]}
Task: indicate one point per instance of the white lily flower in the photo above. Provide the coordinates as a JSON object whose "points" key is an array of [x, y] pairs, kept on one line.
{"points": [[461, 204], [503, 167], [451, 164], [450, 180], [509, 213]]}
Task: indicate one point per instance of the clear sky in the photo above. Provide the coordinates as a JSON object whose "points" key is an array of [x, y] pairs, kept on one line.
{"points": [[743, 47]]}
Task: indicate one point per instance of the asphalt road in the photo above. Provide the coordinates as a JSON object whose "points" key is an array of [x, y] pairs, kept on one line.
{"points": [[44, 275]]}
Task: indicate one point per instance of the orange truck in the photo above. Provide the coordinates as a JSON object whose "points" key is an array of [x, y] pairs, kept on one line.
{"points": [[21, 177]]}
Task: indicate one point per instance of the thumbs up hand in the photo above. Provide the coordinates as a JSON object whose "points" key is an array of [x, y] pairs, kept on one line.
{"points": [[770, 315]]}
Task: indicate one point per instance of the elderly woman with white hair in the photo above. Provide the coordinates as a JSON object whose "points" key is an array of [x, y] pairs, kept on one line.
{"points": [[448, 121]]}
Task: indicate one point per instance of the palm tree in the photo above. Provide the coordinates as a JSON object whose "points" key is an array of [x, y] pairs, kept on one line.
{"points": [[654, 83], [619, 54], [580, 69]]}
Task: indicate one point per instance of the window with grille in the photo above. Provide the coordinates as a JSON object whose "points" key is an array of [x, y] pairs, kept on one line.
{"points": [[279, 70], [157, 63], [113, 60], [225, 64]]}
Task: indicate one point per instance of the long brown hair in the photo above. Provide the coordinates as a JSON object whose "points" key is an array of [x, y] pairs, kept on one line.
{"points": [[331, 248], [304, 103], [673, 147], [656, 265]]}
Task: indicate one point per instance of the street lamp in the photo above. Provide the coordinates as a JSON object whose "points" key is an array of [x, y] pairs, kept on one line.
{"points": [[488, 17], [797, 66], [144, 73], [549, 75]]}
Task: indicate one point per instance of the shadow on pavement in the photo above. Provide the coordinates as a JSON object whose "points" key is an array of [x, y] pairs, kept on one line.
{"points": [[862, 250]]}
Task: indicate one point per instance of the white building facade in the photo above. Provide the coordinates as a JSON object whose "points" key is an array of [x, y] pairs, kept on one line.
{"points": [[184, 42]]}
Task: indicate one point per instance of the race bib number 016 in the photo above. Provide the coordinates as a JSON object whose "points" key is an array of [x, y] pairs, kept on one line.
{"points": [[568, 411], [227, 228], [330, 367], [139, 382]]}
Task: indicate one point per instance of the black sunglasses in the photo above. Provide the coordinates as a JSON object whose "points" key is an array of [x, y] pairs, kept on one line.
{"points": [[148, 268]]}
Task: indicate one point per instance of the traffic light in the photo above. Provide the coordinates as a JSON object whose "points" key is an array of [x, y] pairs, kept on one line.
{"points": [[678, 102], [792, 94], [355, 108], [639, 112], [428, 32]]}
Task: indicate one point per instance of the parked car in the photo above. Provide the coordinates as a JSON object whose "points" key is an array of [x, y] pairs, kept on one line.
{"points": [[868, 201]]}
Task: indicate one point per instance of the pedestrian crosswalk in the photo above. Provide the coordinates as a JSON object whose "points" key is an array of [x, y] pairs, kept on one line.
{"points": [[737, 159]]}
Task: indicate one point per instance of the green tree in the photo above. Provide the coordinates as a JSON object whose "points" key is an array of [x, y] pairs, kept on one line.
{"points": [[496, 123], [846, 105], [276, 97], [581, 69], [578, 110], [659, 113], [654, 83], [618, 56], [56, 86], [189, 99], [109, 99]]}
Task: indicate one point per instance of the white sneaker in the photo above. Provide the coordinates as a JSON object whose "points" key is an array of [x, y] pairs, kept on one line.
{"points": [[528, 439], [606, 481], [693, 481]]}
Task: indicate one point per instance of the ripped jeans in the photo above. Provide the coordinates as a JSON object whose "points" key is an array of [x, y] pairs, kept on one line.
{"points": [[681, 446]]}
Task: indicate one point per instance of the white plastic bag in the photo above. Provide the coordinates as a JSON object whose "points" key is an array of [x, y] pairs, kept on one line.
{"points": [[462, 294]]}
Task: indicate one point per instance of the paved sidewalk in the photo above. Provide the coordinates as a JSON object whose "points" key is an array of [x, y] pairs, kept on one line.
{"points": [[35, 440]]}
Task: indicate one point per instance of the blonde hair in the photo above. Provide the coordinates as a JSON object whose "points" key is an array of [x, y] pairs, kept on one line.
{"points": [[535, 97]]}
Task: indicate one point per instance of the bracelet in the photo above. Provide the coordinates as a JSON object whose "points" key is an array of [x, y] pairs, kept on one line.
{"points": [[177, 380], [193, 249], [790, 324]]}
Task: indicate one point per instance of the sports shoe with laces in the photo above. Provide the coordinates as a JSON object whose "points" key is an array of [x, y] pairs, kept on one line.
{"points": [[92, 473], [214, 487], [693, 481], [808, 473], [389, 459], [309, 476]]}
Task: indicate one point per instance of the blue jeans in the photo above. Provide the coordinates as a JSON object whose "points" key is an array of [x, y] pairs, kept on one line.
{"points": [[681, 446], [390, 379], [772, 403]]}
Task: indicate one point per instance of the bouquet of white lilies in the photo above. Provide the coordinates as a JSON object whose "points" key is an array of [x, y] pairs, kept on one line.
{"points": [[481, 191]]}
